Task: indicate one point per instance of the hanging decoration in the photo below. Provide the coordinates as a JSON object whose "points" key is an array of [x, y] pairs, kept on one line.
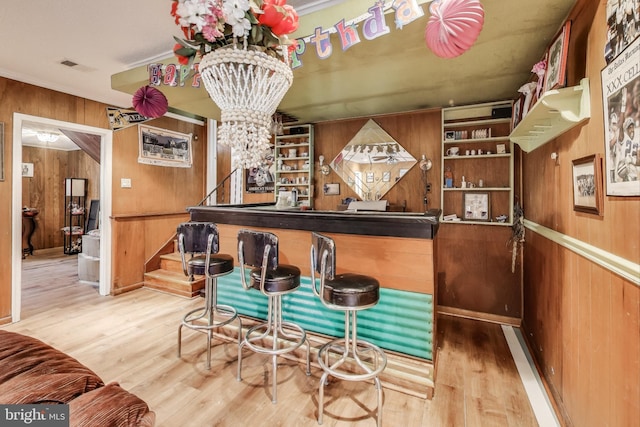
{"points": [[244, 67], [454, 26], [247, 86], [150, 102]]}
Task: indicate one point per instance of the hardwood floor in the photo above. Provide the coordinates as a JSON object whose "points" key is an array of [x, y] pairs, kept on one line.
{"points": [[131, 339]]}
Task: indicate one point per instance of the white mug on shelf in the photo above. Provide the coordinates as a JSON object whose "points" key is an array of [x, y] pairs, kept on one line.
{"points": [[453, 151], [473, 152]]}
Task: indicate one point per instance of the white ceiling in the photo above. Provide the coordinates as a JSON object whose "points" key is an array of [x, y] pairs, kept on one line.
{"points": [[395, 72]]}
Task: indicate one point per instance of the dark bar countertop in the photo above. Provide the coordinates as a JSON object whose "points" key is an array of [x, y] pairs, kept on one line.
{"points": [[373, 223]]}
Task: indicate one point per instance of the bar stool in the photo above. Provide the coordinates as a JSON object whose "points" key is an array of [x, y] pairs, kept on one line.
{"points": [[199, 241], [259, 251], [349, 292]]}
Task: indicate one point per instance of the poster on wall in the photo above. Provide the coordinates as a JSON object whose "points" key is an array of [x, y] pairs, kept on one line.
{"points": [[623, 26], [261, 179], [161, 147], [621, 102]]}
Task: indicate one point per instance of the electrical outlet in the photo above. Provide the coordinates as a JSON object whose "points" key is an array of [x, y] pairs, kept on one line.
{"points": [[125, 182], [428, 187]]}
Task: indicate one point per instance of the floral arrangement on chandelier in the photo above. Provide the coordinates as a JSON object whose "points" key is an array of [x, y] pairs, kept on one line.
{"points": [[245, 65]]}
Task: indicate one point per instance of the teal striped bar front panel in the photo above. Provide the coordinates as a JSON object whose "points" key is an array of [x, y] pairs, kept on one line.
{"points": [[401, 321]]}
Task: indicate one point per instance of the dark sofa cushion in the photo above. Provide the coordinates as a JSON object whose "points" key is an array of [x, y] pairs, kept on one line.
{"points": [[34, 372], [110, 406]]}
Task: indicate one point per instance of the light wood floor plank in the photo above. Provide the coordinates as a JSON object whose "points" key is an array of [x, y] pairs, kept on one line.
{"points": [[132, 339]]}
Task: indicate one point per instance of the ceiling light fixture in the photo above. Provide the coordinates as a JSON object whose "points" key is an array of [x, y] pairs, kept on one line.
{"points": [[47, 137]]}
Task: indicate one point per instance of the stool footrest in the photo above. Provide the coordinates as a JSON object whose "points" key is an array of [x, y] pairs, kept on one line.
{"points": [[202, 313], [349, 366], [289, 342]]}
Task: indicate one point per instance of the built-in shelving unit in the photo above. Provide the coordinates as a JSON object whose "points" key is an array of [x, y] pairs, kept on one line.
{"points": [[479, 135], [556, 112], [294, 162]]}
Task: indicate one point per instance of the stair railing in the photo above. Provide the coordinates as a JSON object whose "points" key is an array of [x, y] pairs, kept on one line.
{"points": [[220, 191]]}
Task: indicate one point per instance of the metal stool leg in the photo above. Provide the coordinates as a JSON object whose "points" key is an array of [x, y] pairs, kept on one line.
{"points": [[208, 313], [350, 347]]}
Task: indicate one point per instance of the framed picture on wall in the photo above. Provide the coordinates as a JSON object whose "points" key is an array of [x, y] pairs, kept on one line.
{"points": [[620, 92], [27, 170], [163, 147], [555, 76], [587, 184]]}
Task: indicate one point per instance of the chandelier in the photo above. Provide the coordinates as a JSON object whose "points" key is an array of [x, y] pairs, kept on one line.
{"points": [[247, 85]]}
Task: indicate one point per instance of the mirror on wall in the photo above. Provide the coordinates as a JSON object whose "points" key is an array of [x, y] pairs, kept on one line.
{"points": [[372, 162]]}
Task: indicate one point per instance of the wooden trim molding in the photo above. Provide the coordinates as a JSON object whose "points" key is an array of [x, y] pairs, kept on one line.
{"points": [[626, 269]]}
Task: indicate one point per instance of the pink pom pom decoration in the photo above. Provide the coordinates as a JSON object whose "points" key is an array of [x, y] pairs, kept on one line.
{"points": [[454, 26], [150, 102]]}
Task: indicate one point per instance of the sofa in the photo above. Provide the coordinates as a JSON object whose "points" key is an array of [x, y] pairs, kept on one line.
{"points": [[32, 372]]}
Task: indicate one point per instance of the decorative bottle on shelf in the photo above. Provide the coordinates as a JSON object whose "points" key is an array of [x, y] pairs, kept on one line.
{"points": [[294, 197], [463, 184]]}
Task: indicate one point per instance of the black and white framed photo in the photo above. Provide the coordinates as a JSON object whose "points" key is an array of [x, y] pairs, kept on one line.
{"points": [[620, 94], [163, 147], [555, 76], [587, 184], [27, 170], [476, 206]]}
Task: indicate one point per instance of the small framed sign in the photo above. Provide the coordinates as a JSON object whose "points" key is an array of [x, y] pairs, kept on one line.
{"points": [[476, 206]]}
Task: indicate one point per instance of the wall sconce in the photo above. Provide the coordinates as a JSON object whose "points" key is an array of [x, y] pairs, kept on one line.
{"points": [[324, 169], [425, 164]]}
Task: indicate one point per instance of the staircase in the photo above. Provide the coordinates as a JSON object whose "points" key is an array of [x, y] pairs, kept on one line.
{"points": [[171, 279]]}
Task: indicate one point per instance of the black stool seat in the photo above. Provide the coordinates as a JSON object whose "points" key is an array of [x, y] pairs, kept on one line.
{"points": [[285, 278], [219, 264], [351, 290]]}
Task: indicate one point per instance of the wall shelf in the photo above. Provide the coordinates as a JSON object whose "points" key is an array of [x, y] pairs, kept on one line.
{"points": [[556, 112]]}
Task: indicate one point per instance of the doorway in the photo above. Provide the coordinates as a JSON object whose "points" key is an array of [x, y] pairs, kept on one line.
{"points": [[106, 141]]}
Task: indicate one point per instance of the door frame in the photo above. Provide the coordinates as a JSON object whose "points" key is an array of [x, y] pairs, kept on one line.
{"points": [[106, 149]]}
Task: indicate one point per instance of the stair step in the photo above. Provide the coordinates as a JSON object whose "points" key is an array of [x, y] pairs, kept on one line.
{"points": [[174, 283], [171, 262]]}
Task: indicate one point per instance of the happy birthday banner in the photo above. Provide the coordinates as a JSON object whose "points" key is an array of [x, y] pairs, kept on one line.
{"points": [[373, 26]]}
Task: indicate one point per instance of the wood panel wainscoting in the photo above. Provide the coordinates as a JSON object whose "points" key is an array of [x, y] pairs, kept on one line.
{"points": [[136, 239], [132, 339]]}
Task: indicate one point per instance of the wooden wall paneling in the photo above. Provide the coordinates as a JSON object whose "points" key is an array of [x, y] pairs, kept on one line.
{"points": [[477, 270], [128, 250], [418, 132], [624, 370], [600, 360], [179, 187]]}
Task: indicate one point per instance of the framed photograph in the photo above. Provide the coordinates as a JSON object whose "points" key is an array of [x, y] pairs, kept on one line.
{"points": [[331, 189], [386, 176], [555, 75], [161, 147], [369, 178], [449, 135], [620, 86], [501, 149], [476, 206], [1, 151], [587, 185], [27, 170]]}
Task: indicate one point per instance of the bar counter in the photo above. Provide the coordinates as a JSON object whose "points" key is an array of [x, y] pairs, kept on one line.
{"points": [[396, 248]]}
